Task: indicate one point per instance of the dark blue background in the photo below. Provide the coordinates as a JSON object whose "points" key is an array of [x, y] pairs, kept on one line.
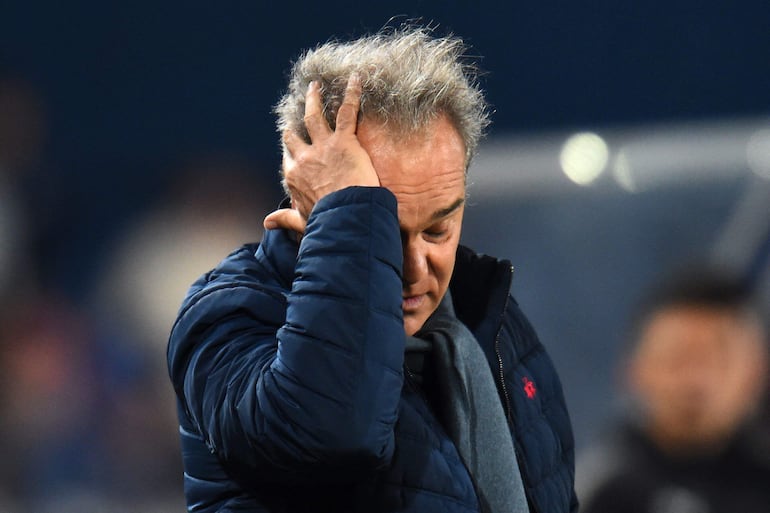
{"points": [[142, 82], [134, 88]]}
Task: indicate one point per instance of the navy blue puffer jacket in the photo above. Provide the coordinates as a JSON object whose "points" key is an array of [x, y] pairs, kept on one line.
{"points": [[287, 361]]}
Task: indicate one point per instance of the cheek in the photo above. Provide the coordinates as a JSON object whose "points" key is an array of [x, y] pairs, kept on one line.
{"points": [[650, 383], [442, 263]]}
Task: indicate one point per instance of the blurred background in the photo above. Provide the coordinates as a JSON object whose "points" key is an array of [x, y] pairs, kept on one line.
{"points": [[137, 148]]}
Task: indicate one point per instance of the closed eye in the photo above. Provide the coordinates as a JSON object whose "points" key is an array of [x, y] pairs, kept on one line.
{"points": [[437, 233]]}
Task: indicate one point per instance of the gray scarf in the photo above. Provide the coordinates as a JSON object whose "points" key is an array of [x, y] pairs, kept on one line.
{"points": [[466, 402]]}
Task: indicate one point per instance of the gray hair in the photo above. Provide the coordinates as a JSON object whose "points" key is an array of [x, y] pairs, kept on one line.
{"points": [[408, 78]]}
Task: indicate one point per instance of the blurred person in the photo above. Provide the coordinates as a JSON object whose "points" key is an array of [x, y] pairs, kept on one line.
{"points": [[22, 126], [698, 373], [36, 207], [79, 433], [82, 428], [49, 401], [211, 205], [49, 394], [22, 136], [13, 227], [358, 358]]}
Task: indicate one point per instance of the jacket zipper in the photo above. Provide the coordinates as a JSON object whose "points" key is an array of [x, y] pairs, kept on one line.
{"points": [[501, 372], [501, 376]]}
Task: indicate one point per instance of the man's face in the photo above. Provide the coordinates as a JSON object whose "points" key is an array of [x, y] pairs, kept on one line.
{"points": [[426, 173], [699, 372]]}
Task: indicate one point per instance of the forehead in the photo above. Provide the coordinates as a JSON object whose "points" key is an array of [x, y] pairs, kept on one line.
{"points": [[425, 166], [685, 329]]}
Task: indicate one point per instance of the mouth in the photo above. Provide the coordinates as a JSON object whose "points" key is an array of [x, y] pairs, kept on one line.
{"points": [[412, 303]]}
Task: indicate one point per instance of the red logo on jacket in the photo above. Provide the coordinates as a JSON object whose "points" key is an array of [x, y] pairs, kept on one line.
{"points": [[529, 387]]}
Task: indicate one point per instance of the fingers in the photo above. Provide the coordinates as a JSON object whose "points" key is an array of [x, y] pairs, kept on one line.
{"points": [[334, 159], [286, 218], [347, 115], [291, 142], [316, 125]]}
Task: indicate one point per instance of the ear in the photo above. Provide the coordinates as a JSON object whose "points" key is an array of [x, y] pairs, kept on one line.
{"points": [[757, 360]]}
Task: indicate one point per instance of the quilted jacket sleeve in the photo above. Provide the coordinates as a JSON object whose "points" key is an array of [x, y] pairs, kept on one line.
{"points": [[316, 396]]}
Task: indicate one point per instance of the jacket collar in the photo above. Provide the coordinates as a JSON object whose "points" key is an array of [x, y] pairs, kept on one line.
{"points": [[480, 286]]}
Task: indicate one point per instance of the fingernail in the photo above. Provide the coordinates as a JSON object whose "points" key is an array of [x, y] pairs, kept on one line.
{"points": [[269, 224]]}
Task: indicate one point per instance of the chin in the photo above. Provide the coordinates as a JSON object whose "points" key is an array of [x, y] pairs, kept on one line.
{"points": [[412, 325]]}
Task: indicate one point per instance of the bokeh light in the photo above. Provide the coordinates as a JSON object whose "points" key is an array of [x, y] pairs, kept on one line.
{"points": [[584, 157]]}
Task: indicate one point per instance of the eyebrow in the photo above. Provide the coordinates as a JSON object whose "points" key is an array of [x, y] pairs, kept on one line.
{"points": [[444, 212]]}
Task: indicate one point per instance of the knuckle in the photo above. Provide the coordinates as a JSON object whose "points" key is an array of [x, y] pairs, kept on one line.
{"points": [[301, 160], [288, 166], [312, 117], [347, 109]]}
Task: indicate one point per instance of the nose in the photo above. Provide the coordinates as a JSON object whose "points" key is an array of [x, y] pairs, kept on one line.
{"points": [[694, 381], [415, 262]]}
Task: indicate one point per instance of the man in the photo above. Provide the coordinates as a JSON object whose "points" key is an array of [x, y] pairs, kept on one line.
{"points": [[359, 359], [698, 371]]}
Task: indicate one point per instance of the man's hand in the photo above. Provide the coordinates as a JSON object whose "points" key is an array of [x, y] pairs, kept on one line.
{"points": [[333, 160]]}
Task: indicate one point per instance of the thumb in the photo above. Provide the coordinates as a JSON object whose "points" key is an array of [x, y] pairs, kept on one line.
{"points": [[286, 218]]}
